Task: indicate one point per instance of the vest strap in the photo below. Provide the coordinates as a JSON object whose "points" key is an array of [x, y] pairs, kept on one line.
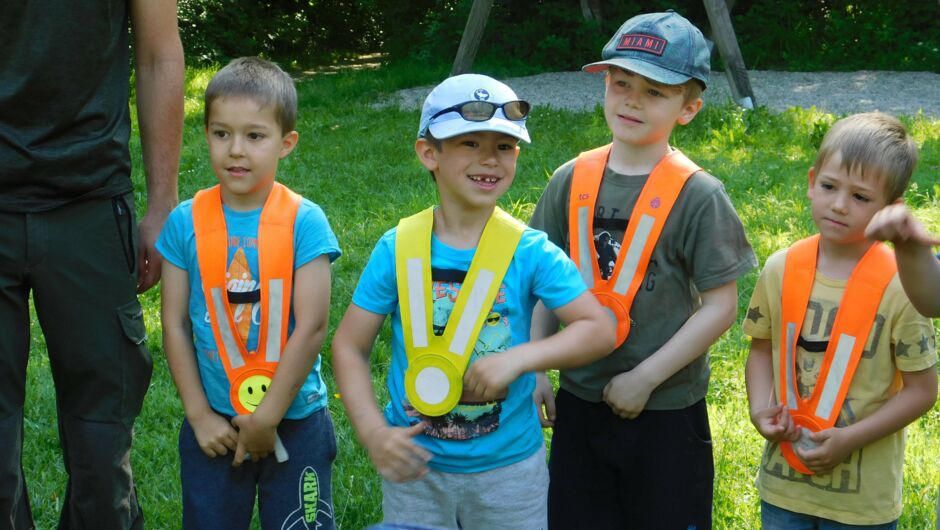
{"points": [[434, 379], [249, 373], [851, 329], [646, 224]]}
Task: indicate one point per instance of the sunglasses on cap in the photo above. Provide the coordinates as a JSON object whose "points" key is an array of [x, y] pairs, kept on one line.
{"points": [[484, 110]]}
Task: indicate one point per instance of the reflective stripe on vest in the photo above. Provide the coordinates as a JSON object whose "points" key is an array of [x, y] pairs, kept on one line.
{"points": [[646, 223], [854, 319], [249, 373], [434, 379]]}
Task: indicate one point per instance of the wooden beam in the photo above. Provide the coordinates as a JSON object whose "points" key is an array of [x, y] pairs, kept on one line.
{"points": [[720, 18], [472, 34]]}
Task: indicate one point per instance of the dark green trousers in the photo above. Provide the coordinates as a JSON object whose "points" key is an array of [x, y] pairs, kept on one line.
{"points": [[78, 261]]}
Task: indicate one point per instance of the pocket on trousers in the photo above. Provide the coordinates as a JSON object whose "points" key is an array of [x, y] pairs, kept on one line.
{"points": [[131, 316], [137, 366]]}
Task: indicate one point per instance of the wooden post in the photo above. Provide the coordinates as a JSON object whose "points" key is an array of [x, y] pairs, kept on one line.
{"points": [[591, 11], [720, 19], [472, 34]]}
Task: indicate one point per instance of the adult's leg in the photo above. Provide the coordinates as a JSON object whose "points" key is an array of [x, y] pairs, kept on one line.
{"points": [[300, 489], [84, 288], [14, 352]]}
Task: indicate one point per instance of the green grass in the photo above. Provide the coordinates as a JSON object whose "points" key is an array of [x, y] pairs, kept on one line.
{"points": [[357, 162]]}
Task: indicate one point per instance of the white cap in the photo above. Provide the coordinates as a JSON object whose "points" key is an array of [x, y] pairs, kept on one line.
{"points": [[461, 89]]}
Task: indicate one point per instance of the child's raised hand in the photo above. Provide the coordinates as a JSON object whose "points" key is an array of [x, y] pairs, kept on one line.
{"points": [[834, 447], [214, 434], [627, 394], [395, 454], [775, 424], [490, 376], [255, 438], [544, 395], [895, 223]]}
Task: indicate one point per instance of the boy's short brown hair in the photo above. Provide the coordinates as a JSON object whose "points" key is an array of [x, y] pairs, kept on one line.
{"points": [[874, 144], [258, 80]]}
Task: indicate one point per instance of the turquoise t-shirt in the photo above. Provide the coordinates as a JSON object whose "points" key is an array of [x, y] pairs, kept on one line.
{"points": [[474, 437], [177, 243]]}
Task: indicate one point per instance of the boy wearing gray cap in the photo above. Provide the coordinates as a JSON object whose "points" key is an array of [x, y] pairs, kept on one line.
{"points": [[631, 444], [459, 444]]}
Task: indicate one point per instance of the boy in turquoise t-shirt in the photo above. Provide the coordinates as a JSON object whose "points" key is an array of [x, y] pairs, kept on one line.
{"points": [[481, 463], [227, 297]]}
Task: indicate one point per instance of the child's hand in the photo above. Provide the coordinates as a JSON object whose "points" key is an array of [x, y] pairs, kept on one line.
{"points": [[490, 376], [395, 454], [775, 424], [896, 224], [544, 394], [833, 449], [255, 438], [627, 395], [214, 434]]}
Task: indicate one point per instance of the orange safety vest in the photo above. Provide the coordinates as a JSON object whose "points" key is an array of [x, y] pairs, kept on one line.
{"points": [[854, 319], [649, 216], [249, 373]]}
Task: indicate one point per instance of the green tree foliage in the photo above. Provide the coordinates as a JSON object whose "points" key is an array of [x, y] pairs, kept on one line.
{"points": [[289, 31], [527, 36]]}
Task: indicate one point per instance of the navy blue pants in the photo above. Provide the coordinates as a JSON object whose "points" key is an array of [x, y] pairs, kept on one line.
{"points": [[652, 472], [295, 494]]}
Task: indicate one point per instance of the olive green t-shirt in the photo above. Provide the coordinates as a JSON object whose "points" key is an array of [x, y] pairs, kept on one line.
{"points": [[702, 246]]}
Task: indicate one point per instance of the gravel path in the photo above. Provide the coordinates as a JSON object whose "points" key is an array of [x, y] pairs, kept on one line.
{"points": [[836, 92]]}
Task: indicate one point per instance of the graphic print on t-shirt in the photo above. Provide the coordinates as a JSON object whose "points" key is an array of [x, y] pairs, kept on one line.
{"points": [[471, 417], [810, 351], [607, 250], [239, 280]]}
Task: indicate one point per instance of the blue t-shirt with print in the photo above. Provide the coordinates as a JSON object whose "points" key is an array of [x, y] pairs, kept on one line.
{"points": [[476, 436], [177, 243]]}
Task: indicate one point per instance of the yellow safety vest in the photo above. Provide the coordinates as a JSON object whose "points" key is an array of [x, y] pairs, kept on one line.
{"points": [[434, 378]]}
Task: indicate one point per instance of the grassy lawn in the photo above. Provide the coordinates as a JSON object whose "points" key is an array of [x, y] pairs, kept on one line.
{"points": [[357, 162]]}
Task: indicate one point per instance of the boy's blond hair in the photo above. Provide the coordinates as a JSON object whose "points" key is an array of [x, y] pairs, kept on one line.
{"points": [[259, 80], [876, 146]]}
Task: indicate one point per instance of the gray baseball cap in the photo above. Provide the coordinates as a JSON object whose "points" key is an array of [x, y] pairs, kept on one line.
{"points": [[664, 47]]}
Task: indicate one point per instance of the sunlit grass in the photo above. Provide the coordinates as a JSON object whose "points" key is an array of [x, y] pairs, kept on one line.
{"points": [[357, 162]]}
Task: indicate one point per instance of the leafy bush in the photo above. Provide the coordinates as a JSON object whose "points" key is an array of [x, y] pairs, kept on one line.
{"points": [[812, 35], [294, 32], [528, 36]]}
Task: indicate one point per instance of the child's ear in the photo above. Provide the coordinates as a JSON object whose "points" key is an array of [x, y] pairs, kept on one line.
{"points": [[689, 110], [288, 142], [811, 174], [427, 154]]}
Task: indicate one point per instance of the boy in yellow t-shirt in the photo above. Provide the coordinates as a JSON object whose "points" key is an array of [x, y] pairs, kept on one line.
{"points": [[852, 469]]}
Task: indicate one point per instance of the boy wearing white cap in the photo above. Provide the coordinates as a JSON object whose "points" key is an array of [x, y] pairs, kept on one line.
{"points": [[459, 444], [661, 247]]}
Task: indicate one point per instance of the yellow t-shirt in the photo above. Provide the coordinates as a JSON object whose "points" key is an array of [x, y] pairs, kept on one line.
{"points": [[866, 488]]}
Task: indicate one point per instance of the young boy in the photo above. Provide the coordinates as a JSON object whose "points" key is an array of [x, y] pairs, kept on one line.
{"points": [[246, 295], [840, 361], [918, 267], [460, 281], [631, 442]]}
